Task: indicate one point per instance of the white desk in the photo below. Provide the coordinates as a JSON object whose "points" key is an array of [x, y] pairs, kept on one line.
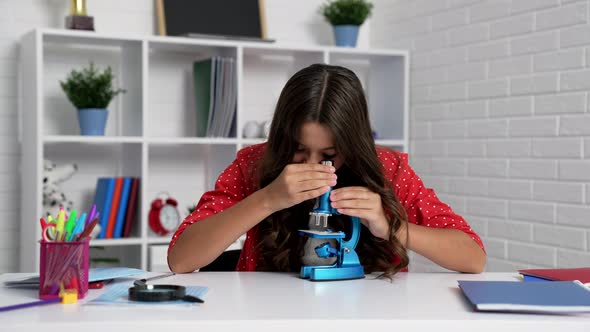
{"points": [[283, 302]]}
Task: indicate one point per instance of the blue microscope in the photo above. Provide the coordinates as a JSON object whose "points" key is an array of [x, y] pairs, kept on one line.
{"points": [[347, 264]]}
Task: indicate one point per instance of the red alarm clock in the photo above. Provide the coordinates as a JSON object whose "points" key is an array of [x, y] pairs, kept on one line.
{"points": [[164, 216]]}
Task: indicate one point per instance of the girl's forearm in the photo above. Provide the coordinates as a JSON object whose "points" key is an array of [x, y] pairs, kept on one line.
{"points": [[205, 240], [449, 248]]}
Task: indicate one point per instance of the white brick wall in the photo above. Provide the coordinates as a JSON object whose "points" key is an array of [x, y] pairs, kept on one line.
{"points": [[295, 22], [502, 100]]}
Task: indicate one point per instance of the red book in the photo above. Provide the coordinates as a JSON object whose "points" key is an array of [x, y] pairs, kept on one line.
{"points": [[131, 207], [582, 274], [114, 208]]}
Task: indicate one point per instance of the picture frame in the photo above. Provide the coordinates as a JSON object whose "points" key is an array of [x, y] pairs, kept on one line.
{"points": [[249, 21]]}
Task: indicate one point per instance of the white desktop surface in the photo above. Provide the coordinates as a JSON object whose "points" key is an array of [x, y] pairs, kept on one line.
{"points": [[257, 301]]}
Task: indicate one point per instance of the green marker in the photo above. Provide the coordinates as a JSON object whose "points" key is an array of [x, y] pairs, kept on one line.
{"points": [[70, 224]]}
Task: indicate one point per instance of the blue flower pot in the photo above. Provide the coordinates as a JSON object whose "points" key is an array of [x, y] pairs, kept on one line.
{"points": [[346, 35], [92, 121]]}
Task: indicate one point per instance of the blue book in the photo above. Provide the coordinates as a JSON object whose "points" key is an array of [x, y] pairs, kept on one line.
{"points": [[531, 278], [120, 221], [532, 297], [103, 197]]}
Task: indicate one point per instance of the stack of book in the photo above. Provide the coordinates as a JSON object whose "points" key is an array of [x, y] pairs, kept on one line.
{"points": [[116, 200], [215, 96], [554, 291]]}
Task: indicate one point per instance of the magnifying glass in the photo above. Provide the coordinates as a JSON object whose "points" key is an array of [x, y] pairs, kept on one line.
{"points": [[161, 293], [142, 292]]}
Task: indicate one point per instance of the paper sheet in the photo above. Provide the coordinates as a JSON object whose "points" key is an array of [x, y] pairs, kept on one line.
{"points": [[118, 294], [107, 273]]}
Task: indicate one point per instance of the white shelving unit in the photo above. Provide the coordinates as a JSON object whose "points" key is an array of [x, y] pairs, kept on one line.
{"points": [[151, 130]]}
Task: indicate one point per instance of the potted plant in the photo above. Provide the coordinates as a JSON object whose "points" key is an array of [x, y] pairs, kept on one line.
{"points": [[91, 92], [346, 17]]}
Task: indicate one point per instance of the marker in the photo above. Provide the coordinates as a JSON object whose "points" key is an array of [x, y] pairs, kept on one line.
{"points": [[70, 224], [29, 304], [88, 229], [59, 225], [91, 214], [79, 226]]}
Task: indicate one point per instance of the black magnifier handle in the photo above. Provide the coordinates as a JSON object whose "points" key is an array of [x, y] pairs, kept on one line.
{"points": [[193, 299], [143, 282]]}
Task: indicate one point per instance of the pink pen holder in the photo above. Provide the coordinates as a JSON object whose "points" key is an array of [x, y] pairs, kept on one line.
{"points": [[63, 265]]}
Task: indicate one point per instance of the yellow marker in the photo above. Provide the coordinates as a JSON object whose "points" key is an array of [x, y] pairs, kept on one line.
{"points": [[59, 226]]}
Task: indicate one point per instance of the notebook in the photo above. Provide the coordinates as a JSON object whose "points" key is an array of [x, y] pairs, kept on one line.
{"points": [[94, 275], [527, 297], [581, 274]]}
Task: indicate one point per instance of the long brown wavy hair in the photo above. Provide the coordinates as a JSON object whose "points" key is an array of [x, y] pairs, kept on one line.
{"points": [[332, 96]]}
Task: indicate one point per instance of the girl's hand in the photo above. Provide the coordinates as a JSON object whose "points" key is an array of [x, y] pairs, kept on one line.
{"points": [[365, 204], [298, 183]]}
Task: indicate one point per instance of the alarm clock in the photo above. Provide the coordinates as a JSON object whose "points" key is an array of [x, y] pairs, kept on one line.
{"points": [[164, 216]]}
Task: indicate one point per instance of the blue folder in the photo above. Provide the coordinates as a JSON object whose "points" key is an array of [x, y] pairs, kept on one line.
{"points": [[534, 297], [103, 198], [531, 278], [123, 201]]}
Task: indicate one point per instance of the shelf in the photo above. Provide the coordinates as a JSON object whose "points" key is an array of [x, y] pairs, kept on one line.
{"points": [[159, 240], [92, 139], [151, 129], [192, 140], [81, 37], [252, 141], [115, 242], [170, 42], [176, 140]]}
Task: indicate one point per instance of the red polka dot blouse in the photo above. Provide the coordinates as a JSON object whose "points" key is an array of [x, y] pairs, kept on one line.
{"points": [[236, 182]]}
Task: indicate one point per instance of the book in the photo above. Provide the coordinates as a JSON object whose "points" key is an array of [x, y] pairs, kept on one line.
{"points": [[231, 98], [132, 208], [203, 75], [527, 297], [215, 88], [94, 275], [102, 198], [216, 96], [582, 274], [123, 202], [114, 208]]}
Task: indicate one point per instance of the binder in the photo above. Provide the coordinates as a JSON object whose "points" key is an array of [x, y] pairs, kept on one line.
{"points": [[132, 207], [528, 297], [102, 198], [114, 208], [203, 76], [123, 202], [215, 88], [582, 274]]}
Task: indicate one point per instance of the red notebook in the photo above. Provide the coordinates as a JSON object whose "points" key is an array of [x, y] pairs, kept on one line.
{"points": [[114, 208], [131, 207], [582, 274]]}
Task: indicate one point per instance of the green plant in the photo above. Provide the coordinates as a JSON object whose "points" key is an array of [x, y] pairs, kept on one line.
{"points": [[90, 88], [346, 12]]}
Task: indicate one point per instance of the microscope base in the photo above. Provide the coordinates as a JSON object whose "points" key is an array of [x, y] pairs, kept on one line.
{"points": [[331, 272]]}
